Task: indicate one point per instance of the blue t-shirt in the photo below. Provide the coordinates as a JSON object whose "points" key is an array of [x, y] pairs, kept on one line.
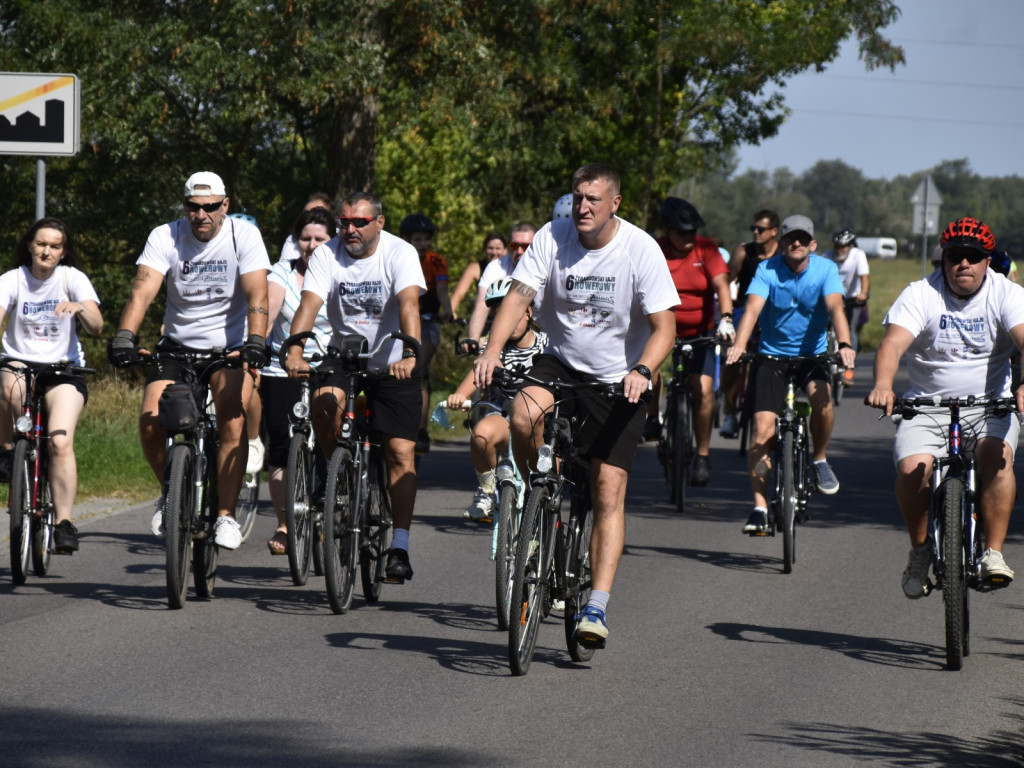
{"points": [[795, 319]]}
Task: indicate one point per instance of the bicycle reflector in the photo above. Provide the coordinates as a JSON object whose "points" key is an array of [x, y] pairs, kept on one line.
{"points": [[545, 458]]}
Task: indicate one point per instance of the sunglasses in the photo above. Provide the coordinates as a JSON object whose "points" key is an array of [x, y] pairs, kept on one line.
{"points": [[801, 238], [357, 223], [208, 207], [955, 257], [758, 230], [514, 246]]}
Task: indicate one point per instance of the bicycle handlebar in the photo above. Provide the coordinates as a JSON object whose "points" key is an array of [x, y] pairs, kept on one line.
{"points": [[908, 406], [507, 378], [296, 339], [62, 366]]}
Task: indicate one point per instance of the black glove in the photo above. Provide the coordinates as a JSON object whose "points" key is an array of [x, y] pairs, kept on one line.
{"points": [[254, 351], [123, 349]]}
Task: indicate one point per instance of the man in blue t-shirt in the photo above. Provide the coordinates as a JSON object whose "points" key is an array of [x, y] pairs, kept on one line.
{"points": [[795, 294]]}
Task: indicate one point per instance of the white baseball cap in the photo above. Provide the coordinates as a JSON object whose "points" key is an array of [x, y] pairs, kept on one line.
{"points": [[213, 183]]}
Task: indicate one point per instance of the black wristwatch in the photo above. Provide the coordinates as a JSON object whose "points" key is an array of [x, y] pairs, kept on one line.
{"points": [[406, 354], [643, 370], [727, 314], [845, 345]]}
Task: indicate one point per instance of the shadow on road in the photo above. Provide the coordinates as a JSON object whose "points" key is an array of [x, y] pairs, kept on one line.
{"points": [[876, 650]]}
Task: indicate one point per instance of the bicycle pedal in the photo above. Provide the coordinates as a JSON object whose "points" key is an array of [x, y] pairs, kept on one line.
{"points": [[596, 643], [996, 582], [393, 580], [68, 552], [757, 534]]}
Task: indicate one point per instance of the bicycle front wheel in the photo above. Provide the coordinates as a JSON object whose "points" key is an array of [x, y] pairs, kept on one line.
{"points": [[578, 578], [341, 531], [683, 448], [248, 504], [954, 575], [504, 552], [205, 552], [373, 553], [42, 533], [528, 585], [20, 509], [787, 504], [178, 506], [297, 508]]}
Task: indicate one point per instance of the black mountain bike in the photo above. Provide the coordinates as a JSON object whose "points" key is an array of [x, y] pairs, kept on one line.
{"points": [[552, 559], [304, 510], [30, 503], [954, 523]]}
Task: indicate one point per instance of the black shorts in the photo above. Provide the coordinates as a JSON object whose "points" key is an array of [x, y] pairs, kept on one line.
{"points": [[610, 428], [50, 380], [278, 394], [395, 405], [767, 387], [172, 370]]}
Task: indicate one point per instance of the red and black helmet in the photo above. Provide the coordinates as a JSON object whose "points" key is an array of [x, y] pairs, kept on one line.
{"points": [[968, 233]]}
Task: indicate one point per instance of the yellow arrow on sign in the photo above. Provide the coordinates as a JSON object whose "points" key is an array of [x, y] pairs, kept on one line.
{"points": [[35, 93]]}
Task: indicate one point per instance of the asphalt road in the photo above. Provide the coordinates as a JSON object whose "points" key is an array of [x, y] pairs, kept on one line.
{"points": [[716, 658]]}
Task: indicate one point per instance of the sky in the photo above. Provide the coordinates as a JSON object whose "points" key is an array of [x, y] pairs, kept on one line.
{"points": [[960, 95]]}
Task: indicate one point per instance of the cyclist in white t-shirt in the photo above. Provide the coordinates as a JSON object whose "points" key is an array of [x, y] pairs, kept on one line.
{"points": [[957, 328], [371, 282], [290, 250], [605, 298], [216, 272], [852, 264], [41, 297]]}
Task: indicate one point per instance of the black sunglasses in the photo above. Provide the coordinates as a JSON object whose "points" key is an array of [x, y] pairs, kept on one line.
{"points": [[514, 246], [759, 230], [208, 207], [973, 257], [357, 223]]}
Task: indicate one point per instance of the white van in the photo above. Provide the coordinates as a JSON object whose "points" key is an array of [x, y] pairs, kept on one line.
{"points": [[878, 247]]}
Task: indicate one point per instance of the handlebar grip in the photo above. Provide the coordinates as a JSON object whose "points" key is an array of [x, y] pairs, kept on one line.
{"points": [[292, 341]]}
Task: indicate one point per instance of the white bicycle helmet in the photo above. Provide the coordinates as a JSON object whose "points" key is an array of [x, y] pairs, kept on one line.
{"points": [[563, 208], [497, 291]]}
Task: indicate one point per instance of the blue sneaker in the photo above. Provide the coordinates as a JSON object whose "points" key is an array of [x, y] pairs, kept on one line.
{"points": [[591, 628]]}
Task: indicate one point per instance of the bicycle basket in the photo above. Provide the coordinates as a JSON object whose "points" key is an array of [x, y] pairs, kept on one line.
{"points": [[178, 411]]}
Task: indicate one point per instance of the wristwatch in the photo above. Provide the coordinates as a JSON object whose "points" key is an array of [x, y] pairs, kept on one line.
{"points": [[643, 370], [406, 354], [845, 345]]}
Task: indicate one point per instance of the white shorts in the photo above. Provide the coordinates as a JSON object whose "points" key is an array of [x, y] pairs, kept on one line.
{"points": [[928, 432]]}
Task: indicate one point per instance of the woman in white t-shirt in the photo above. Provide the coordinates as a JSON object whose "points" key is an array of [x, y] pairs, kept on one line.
{"points": [[41, 297], [313, 228]]}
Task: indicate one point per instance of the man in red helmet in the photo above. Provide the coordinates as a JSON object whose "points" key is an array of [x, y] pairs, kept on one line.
{"points": [[958, 328]]}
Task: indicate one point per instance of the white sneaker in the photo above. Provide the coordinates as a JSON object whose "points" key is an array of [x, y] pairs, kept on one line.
{"points": [[915, 576], [227, 534], [480, 509], [156, 525], [254, 463], [993, 569]]}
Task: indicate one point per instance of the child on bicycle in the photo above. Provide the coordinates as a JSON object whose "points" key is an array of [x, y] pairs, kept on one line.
{"points": [[490, 429]]}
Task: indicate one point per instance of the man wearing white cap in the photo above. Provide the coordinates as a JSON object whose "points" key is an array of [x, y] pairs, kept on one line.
{"points": [[216, 269], [795, 293]]}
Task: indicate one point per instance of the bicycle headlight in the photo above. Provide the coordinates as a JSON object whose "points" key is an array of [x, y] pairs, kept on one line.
{"points": [[545, 458], [23, 424], [300, 410]]}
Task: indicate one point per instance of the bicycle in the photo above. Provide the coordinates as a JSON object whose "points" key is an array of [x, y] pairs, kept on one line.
{"points": [[956, 534], [836, 369], [357, 508], [30, 502], [676, 447], [552, 560], [791, 462], [191, 485], [304, 511]]}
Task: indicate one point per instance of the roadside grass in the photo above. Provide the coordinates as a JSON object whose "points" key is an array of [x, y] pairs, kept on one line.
{"points": [[888, 279]]}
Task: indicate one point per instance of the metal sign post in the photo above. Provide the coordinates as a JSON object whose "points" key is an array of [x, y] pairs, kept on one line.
{"points": [[926, 201], [39, 115]]}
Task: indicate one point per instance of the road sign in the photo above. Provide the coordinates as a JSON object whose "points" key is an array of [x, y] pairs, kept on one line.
{"points": [[39, 114], [926, 201]]}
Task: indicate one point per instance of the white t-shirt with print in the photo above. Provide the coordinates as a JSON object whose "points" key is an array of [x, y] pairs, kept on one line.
{"points": [[206, 306], [960, 347], [34, 333], [851, 269], [594, 304], [362, 294]]}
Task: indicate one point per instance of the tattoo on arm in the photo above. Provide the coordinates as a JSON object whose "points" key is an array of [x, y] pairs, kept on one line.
{"points": [[525, 290], [254, 310], [141, 277]]}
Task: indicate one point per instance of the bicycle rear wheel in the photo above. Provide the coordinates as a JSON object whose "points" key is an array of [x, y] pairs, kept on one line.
{"points": [[341, 531], [205, 552], [529, 582], [297, 508], [683, 448], [373, 552], [20, 509], [248, 504], [787, 504], [666, 444], [42, 533], [578, 577], [178, 506], [954, 576], [504, 553]]}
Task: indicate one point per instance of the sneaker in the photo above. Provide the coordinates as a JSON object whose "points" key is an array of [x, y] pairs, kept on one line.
{"points": [[156, 525], [757, 523], [701, 473], [6, 461], [825, 478], [591, 628], [254, 463], [398, 569], [227, 534], [730, 426], [652, 429], [915, 578], [848, 376], [65, 538], [480, 510], [993, 569], [422, 442], [558, 606]]}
